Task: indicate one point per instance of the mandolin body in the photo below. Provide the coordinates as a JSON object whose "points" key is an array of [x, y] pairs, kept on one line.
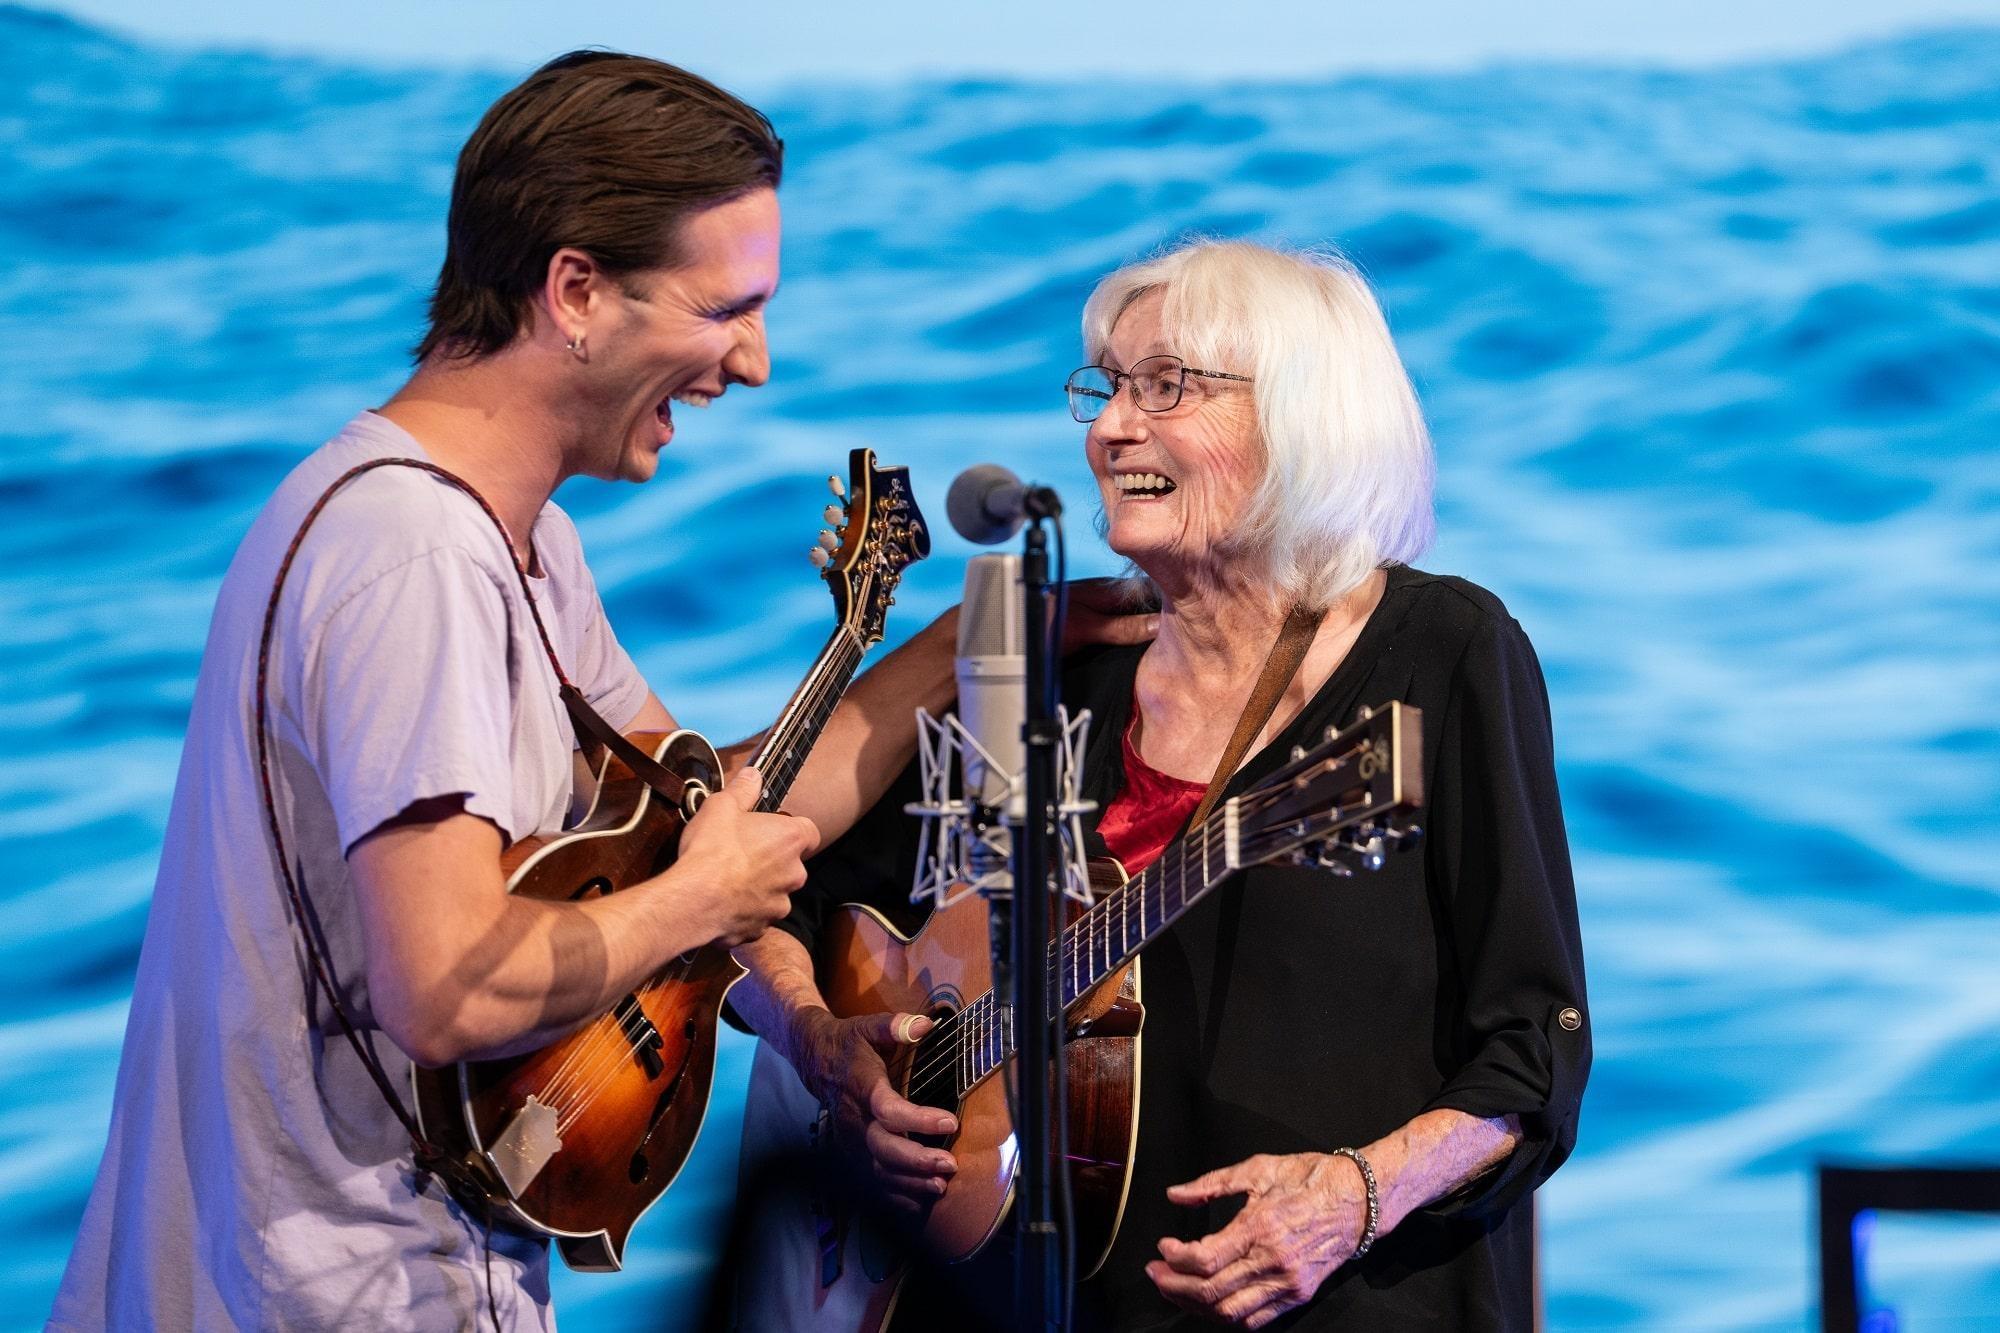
{"points": [[578, 1139]]}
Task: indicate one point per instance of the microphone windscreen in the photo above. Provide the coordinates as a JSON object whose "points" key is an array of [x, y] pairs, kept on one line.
{"points": [[970, 504], [991, 619], [992, 673]]}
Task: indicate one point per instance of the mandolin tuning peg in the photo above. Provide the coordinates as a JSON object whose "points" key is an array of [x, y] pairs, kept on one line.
{"points": [[835, 516], [819, 557], [837, 486], [827, 541]]}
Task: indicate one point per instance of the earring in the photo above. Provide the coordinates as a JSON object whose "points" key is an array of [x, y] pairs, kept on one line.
{"points": [[575, 344]]}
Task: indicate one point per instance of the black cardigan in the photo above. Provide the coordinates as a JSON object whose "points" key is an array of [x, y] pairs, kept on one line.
{"points": [[1295, 1011]]}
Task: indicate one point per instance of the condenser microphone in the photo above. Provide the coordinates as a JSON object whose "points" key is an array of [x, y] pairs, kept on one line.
{"points": [[992, 677], [987, 504]]}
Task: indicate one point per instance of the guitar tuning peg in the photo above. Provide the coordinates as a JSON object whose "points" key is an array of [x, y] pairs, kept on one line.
{"points": [[827, 541], [819, 557], [835, 516], [837, 486]]}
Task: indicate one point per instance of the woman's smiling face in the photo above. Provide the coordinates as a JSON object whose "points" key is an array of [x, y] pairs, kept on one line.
{"points": [[1174, 484]]}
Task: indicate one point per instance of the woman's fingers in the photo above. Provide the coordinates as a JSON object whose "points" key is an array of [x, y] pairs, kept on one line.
{"points": [[893, 1152], [1208, 1292], [902, 1116], [1209, 1255]]}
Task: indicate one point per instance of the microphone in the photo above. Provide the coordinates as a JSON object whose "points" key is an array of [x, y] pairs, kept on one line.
{"points": [[992, 673], [987, 504]]}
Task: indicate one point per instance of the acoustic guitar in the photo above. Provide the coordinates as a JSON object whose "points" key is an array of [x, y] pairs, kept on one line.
{"points": [[823, 1263], [578, 1139]]}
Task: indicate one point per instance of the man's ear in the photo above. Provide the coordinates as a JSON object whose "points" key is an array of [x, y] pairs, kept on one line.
{"points": [[572, 295]]}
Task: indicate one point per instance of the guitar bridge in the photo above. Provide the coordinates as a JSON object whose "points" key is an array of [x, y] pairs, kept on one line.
{"points": [[525, 1146]]}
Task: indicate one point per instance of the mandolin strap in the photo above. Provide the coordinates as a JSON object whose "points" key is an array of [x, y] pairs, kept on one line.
{"points": [[430, 1159], [1279, 668]]}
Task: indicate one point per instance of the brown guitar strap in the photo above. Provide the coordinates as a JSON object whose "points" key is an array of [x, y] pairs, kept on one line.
{"points": [[1286, 654], [430, 1159]]}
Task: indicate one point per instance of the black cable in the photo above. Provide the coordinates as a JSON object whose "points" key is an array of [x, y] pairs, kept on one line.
{"points": [[492, 1303]]}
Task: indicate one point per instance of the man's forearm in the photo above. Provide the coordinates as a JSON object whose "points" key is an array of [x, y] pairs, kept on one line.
{"points": [[1434, 1154], [557, 965]]}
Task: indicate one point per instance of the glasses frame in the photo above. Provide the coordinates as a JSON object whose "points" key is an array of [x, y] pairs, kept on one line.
{"points": [[1071, 389]]}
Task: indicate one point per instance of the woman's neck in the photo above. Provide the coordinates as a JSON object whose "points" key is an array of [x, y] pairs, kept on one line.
{"points": [[1196, 677]]}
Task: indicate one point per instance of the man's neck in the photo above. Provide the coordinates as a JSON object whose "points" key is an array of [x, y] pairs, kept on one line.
{"points": [[483, 423]]}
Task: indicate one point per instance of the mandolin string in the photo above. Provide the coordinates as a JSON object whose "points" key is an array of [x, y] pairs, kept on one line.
{"points": [[600, 1058], [586, 1065], [612, 1048], [607, 1052]]}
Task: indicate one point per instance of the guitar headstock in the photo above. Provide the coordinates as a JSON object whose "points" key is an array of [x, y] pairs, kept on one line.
{"points": [[1342, 802], [877, 532]]}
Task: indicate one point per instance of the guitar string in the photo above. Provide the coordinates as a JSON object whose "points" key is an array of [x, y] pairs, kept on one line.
{"points": [[981, 1016], [596, 1062], [982, 1013], [1082, 929]]}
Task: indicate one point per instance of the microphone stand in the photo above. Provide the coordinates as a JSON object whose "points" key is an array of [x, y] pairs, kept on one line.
{"points": [[1038, 1272]]}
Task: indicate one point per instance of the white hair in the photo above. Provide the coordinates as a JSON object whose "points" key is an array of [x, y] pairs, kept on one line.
{"points": [[1348, 469]]}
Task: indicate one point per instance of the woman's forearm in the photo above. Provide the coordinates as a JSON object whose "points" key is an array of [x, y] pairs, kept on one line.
{"points": [[1434, 1154]]}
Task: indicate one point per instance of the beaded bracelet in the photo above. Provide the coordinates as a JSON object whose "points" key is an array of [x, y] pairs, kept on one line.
{"points": [[1374, 1200]]}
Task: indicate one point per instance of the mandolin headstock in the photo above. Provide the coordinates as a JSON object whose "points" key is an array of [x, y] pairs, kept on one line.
{"points": [[877, 532]]}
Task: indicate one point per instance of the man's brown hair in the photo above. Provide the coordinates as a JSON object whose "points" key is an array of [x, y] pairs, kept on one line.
{"points": [[605, 152]]}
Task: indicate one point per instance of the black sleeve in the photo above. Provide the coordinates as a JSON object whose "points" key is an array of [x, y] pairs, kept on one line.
{"points": [[1499, 861]]}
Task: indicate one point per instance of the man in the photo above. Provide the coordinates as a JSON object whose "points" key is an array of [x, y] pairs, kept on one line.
{"points": [[613, 244]]}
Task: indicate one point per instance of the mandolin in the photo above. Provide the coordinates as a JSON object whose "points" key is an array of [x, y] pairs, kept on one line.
{"points": [[577, 1139], [824, 1264]]}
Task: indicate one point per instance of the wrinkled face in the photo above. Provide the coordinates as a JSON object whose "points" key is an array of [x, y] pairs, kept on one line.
{"points": [[1173, 483], [683, 334]]}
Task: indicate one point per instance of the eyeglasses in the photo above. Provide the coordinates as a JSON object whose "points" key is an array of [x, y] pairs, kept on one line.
{"points": [[1157, 384]]}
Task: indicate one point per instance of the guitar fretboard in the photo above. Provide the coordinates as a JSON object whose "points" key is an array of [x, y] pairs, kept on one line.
{"points": [[1102, 940], [791, 737]]}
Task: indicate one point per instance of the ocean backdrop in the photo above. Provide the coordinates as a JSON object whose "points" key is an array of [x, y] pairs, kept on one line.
{"points": [[1713, 364]]}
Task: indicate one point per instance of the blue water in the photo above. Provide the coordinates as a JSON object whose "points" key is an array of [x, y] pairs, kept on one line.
{"points": [[1711, 360]]}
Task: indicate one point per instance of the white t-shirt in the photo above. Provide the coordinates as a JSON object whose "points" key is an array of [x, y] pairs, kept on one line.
{"points": [[254, 1178]]}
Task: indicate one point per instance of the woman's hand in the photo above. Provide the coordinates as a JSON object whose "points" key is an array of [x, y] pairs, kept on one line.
{"points": [[1302, 1220], [1109, 611], [842, 1061]]}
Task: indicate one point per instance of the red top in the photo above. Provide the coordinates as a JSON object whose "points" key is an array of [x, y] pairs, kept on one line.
{"points": [[1142, 819]]}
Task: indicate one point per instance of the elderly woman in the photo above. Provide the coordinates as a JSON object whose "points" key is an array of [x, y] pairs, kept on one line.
{"points": [[1388, 1063]]}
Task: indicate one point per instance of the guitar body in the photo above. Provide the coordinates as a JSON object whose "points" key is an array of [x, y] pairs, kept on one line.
{"points": [[824, 1263], [821, 1262], [578, 1139]]}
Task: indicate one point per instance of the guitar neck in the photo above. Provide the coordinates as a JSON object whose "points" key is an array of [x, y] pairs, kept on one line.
{"points": [[1353, 776], [1116, 927], [798, 727], [1124, 921]]}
